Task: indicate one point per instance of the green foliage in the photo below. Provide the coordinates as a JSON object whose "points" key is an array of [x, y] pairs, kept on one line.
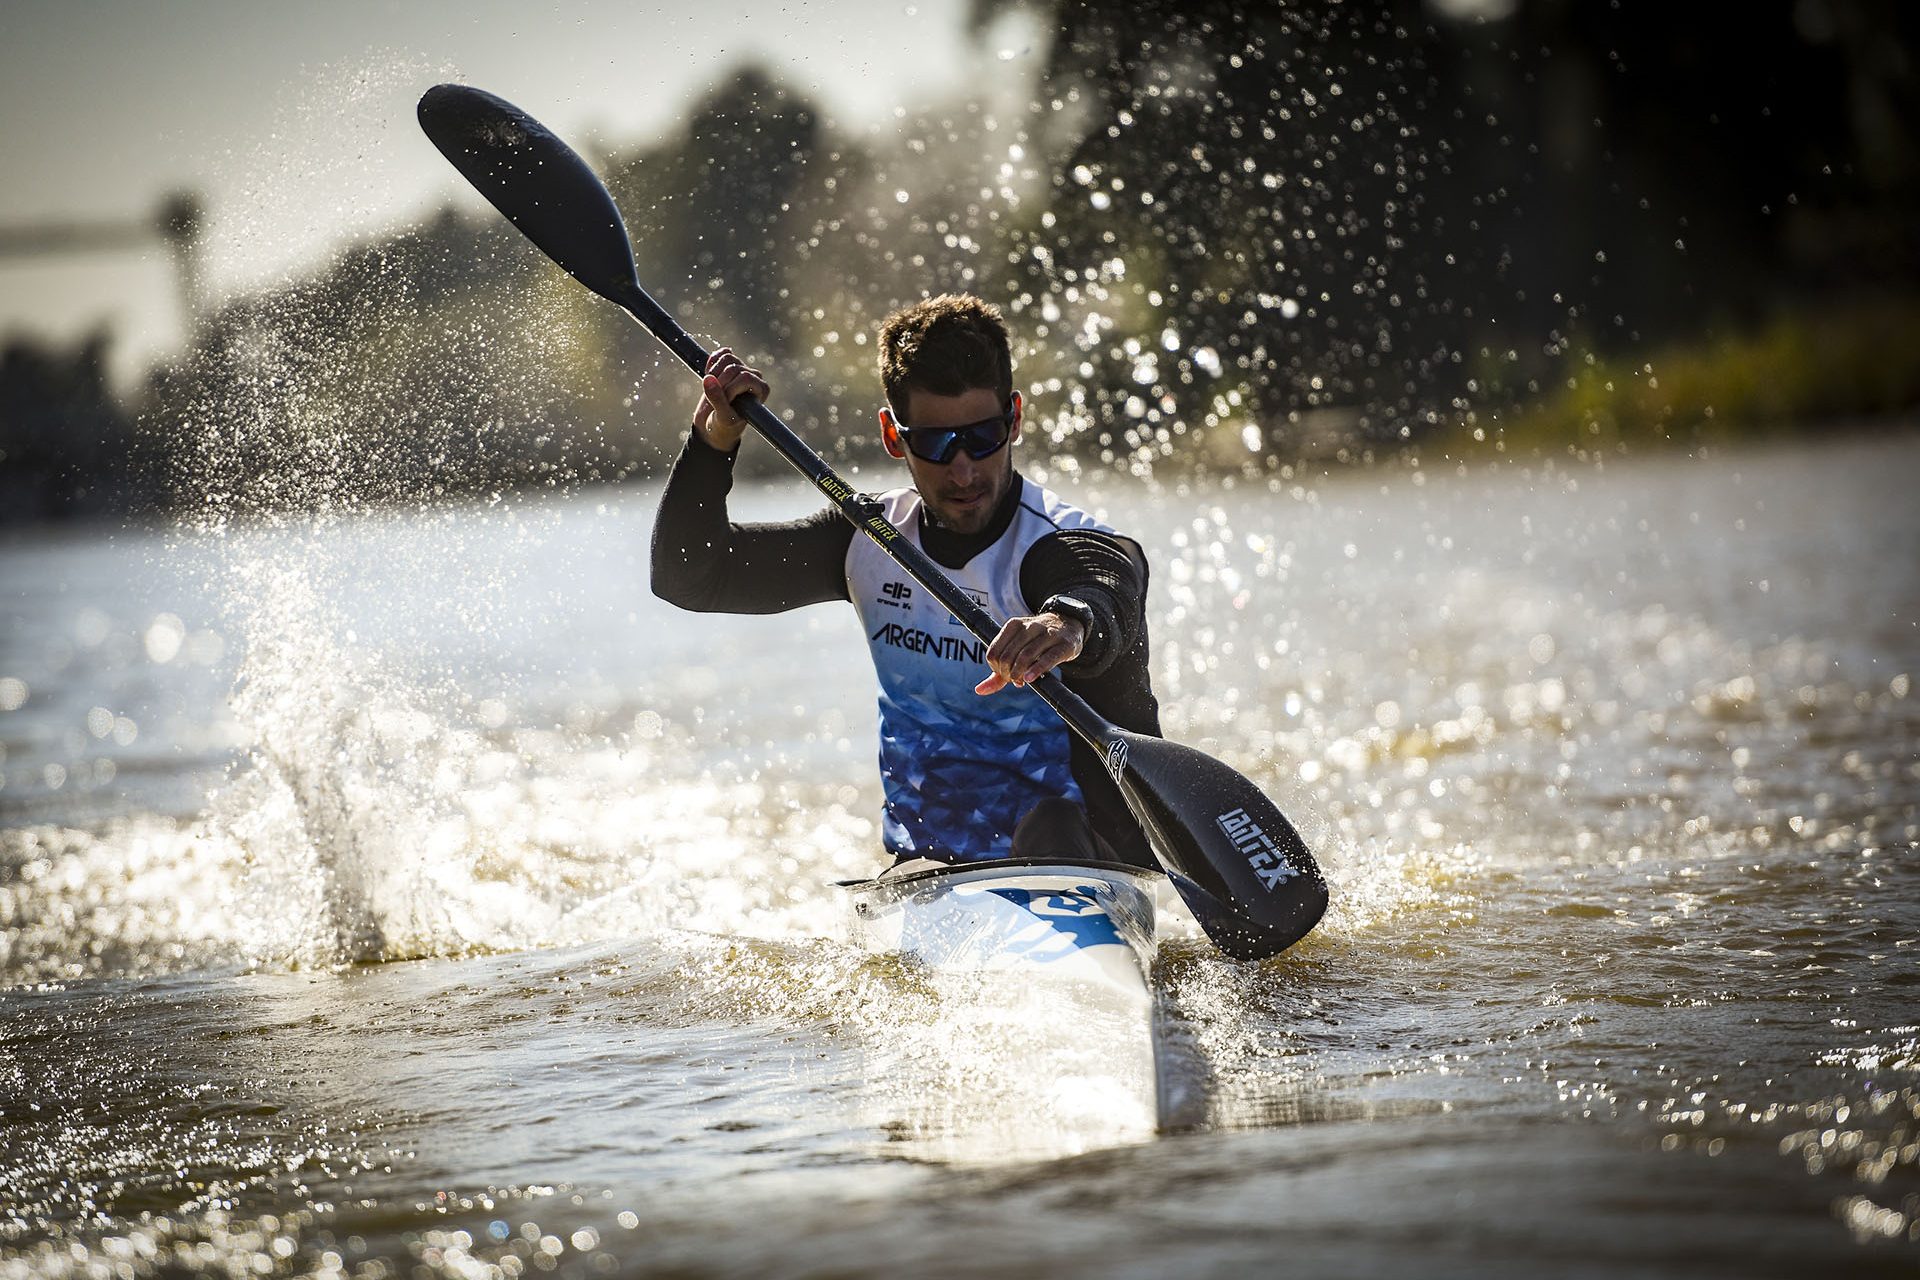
{"points": [[1805, 369]]}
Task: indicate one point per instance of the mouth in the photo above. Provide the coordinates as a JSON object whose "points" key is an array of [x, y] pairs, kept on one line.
{"points": [[966, 501]]}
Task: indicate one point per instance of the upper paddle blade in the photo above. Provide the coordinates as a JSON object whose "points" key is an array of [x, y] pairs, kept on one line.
{"points": [[1237, 862], [543, 187]]}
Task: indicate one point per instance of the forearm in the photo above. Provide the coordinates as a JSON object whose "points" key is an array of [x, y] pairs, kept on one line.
{"points": [[704, 562]]}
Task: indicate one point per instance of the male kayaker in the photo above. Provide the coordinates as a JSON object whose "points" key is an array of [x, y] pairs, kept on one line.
{"points": [[972, 768]]}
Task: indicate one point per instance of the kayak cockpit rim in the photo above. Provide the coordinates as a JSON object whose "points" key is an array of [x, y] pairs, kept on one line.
{"points": [[887, 879]]}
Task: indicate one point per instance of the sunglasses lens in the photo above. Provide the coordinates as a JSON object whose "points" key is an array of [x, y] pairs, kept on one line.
{"points": [[979, 439], [983, 439], [934, 446]]}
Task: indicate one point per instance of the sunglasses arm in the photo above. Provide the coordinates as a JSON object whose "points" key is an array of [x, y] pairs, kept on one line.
{"points": [[890, 434]]}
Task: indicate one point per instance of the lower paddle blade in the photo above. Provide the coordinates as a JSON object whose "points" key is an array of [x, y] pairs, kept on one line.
{"points": [[543, 187], [1236, 861]]}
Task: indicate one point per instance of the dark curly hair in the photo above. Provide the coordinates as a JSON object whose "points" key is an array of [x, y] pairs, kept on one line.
{"points": [[946, 345]]}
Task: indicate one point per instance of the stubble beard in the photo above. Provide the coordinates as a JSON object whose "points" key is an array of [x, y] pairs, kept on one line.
{"points": [[973, 517]]}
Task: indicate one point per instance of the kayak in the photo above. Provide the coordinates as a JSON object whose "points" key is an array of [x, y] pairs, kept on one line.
{"points": [[1042, 968], [1087, 922]]}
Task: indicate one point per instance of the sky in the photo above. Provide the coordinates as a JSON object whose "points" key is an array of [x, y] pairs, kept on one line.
{"points": [[295, 120]]}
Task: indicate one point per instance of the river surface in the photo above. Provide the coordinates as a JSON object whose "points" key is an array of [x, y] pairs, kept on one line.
{"points": [[416, 895]]}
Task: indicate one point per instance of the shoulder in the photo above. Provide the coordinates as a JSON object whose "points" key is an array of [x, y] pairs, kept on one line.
{"points": [[1055, 527], [1054, 514]]}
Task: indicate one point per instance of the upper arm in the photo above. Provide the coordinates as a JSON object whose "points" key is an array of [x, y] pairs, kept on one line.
{"points": [[786, 564], [1076, 561], [701, 560]]}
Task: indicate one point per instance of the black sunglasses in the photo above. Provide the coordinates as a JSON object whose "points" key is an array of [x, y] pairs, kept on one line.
{"points": [[980, 439]]}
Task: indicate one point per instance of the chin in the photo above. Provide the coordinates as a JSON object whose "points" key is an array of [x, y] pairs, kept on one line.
{"points": [[965, 521], [955, 522]]}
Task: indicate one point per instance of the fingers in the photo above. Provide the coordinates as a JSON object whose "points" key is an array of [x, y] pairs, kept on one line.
{"points": [[718, 404], [726, 380], [1028, 648]]}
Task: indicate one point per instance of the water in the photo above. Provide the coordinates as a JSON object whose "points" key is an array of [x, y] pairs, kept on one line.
{"points": [[418, 895]]}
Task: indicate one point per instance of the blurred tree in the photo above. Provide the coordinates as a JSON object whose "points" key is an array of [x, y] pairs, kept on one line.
{"points": [[722, 214], [712, 209], [66, 447], [182, 224]]}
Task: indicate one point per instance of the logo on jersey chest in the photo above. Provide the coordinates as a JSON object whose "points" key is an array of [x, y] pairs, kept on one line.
{"points": [[978, 597], [899, 595]]}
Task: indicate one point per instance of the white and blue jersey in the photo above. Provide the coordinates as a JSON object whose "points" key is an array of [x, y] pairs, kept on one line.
{"points": [[958, 770]]}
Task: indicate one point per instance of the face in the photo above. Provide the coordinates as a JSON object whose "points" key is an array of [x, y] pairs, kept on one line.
{"points": [[962, 494]]}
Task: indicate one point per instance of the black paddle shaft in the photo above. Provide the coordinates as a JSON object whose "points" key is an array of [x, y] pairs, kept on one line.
{"points": [[1231, 853]]}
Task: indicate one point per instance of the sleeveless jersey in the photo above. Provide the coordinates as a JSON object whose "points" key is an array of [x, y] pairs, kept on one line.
{"points": [[958, 770]]}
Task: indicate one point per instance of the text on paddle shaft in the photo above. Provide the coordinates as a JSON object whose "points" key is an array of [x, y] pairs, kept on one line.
{"points": [[1257, 848], [952, 648], [862, 510]]}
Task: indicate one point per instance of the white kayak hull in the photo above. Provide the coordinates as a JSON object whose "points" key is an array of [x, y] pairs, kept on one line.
{"points": [[1041, 973]]}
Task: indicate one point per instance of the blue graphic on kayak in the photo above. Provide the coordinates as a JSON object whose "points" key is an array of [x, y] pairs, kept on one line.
{"points": [[1074, 916]]}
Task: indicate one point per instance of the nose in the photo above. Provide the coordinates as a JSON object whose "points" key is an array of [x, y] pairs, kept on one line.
{"points": [[961, 469]]}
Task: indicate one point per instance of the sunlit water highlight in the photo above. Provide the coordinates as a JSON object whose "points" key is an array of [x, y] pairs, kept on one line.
{"points": [[1613, 770]]}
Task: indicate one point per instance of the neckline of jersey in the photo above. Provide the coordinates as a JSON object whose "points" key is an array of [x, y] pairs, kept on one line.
{"points": [[953, 550]]}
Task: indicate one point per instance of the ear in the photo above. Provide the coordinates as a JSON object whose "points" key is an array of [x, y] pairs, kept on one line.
{"points": [[890, 434], [1019, 416]]}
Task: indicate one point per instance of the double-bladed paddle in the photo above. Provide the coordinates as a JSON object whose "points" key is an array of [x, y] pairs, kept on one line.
{"points": [[1234, 858]]}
